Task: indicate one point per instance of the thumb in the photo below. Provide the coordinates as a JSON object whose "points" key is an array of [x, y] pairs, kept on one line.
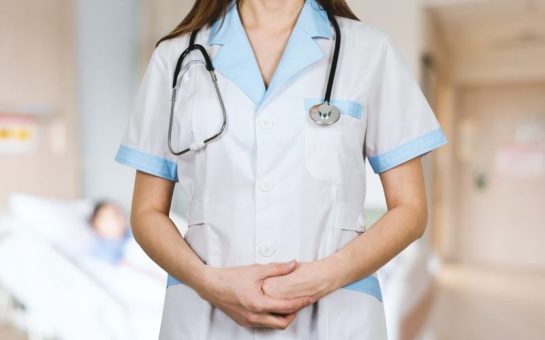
{"points": [[277, 269]]}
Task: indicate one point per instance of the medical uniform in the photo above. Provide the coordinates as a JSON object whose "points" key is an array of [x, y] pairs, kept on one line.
{"points": [[276, 186]]}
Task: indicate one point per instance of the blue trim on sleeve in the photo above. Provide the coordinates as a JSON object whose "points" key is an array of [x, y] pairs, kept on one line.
{"points": [[368, 285], [402, 153], [148, 163], [171, 281], [347, 107]]}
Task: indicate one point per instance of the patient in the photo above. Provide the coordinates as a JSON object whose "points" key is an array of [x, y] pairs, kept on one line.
{"points": [[111, 232]]}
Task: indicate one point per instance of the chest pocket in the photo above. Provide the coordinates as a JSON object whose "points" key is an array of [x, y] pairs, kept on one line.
{"points": [[329, 149]]}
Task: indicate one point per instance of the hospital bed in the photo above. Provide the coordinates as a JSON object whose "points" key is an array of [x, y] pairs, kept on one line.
{"points": [[67, 293]]}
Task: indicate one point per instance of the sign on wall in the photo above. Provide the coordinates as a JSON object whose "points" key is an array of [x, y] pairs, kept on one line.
{"points": [[18, 133]]}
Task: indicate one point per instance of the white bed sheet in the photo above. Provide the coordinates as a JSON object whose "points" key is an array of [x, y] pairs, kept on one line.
{"points": [[70, 294]]}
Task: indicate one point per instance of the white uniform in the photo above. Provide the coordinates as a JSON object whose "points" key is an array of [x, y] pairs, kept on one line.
{"points": [[276, 186]]}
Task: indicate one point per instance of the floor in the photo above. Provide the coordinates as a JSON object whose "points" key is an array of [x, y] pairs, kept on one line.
{"points": [[474, 303]]}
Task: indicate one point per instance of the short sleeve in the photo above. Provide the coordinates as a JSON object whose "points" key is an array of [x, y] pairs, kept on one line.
{"points": [[400, 123], [144, 143]]}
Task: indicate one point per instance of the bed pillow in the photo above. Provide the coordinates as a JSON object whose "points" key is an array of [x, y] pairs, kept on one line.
{"points": [[61, 222]]}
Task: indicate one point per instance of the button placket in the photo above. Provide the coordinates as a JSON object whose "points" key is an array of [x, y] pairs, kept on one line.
{"points": [[265, 185]]}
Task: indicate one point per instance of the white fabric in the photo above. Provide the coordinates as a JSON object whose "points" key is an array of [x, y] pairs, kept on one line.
{"points": [[60, 222], [45, 264]]}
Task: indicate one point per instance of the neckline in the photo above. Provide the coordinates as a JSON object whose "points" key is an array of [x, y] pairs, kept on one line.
{"points": [[254, 55]]}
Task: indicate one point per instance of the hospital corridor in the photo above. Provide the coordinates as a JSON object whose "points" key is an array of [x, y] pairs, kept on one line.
{"points": [[71, 268]]}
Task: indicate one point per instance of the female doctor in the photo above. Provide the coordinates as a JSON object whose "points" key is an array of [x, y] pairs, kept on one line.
{"points": [[264, 111]]}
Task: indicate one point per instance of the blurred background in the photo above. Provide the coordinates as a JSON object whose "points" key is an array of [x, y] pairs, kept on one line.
{"points": [[69, 268]]}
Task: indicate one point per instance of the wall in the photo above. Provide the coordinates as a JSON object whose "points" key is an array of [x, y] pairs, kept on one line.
{"points": [[403, 20], [37, 70], [493, 228], [107, 74]]}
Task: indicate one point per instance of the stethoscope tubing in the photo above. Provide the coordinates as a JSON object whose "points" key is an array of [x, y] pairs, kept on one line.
{"points": [[210, 67], [334, 62]]}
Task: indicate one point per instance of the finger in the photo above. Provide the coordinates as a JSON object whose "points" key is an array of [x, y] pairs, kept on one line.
{"points": [[271, 320], [277, 269], [284, 306]]}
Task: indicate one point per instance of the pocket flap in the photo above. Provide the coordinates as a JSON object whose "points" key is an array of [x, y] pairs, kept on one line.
{"points": [[195, 212], [350, 218]]}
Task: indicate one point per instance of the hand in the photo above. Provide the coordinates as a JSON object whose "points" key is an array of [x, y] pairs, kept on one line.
{"points": [[237, 292], [315, 279]]}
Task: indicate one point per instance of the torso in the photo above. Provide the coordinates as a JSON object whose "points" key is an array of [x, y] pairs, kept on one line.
{"points": [[275, 186]]}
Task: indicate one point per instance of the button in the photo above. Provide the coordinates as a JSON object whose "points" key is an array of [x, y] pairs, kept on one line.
{"points": [[266, 250], [266, 123], [266, 186]]}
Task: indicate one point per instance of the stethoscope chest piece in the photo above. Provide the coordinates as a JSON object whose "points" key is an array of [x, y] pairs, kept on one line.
{"points": [[324, 114]]}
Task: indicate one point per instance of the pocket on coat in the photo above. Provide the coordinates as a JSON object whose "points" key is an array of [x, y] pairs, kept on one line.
{"points": [[197, 232], [348, 223], [329, 149], [324, 156]]}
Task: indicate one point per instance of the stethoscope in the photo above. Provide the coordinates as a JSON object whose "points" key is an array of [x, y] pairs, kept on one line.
{"points": [[322, 114]]}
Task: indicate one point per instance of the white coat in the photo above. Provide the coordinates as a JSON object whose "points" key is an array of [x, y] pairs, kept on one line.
{"points": [[276, 186]]}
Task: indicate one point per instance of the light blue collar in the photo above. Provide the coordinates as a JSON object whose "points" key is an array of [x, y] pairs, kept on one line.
{"points": [[236, 60], [313, 20]]}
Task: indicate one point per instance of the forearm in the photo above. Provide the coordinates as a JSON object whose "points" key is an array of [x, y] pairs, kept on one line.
{"points": [[364, 255], [160, 239]]}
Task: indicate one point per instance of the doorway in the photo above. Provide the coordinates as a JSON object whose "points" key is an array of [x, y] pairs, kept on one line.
{"points": [[489, 183], [500, 170]]}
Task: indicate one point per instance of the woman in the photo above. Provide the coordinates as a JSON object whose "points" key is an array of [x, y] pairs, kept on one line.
{"points": [[277, 246]]}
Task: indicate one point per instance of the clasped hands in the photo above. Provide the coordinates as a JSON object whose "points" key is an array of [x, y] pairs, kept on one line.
{"points": [[268, 295]]}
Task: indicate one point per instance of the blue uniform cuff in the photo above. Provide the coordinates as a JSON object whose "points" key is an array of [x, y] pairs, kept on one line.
{"points": [[404, 152], [148, 163]]}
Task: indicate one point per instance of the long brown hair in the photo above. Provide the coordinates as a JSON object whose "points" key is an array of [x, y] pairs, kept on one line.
{"points": [[205, 12]]}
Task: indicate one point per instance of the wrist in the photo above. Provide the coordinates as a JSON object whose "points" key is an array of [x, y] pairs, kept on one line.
{"points": [[206, 278], [335, 269]]}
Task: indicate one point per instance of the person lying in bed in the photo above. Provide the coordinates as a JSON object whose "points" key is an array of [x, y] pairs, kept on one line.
{"points": [[111, 232]]}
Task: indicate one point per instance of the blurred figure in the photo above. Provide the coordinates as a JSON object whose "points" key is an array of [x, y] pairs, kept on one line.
{"points": [[111, 232]]}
